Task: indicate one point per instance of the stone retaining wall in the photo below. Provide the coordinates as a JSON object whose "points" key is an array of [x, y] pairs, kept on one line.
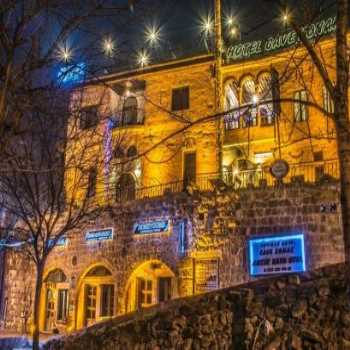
{"points": [[311, 311]]}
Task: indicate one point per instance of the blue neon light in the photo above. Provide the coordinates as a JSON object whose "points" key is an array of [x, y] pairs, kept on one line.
{"points": [[277, 254], [71, 74], [99, 235], [151, 227]]}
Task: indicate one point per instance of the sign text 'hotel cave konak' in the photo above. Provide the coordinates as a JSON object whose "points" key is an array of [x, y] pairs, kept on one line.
{"points": [[279, 42]]}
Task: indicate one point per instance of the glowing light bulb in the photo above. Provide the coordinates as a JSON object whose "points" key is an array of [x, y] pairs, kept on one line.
{"points": [[229, 20], [207, 25], [233, 32], [64, 54], [255, 99], [143, 59], [108, 46], [153, 35], [285, 17]]}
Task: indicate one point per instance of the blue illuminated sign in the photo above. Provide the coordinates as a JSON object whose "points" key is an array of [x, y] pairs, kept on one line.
{"points": [[276, 255], [99, 235], [151, 227], [60, 243], [71, 74]]}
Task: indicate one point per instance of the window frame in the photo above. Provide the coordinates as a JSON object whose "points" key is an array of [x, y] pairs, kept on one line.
{"points": [[301, 112], [182, 100], [62, 313], [84, 122], [92, 182]]}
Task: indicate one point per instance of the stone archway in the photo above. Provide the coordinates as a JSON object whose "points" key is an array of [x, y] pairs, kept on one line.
{"points": [[96, 296], [150, 283]]}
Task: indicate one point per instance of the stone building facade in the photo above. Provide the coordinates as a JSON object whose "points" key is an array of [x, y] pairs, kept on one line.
{"points": [[178, 219]]}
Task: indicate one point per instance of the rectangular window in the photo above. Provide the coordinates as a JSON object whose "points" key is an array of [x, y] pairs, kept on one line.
{"points": [[91, 189], [232, 121], [249, 117], [327, 101], [300, 108], [89, 117], [90, 303], [164, 289], [180, 99], [145, 292], [318, 156], [190, 171], [62, 304], [107, 300]]}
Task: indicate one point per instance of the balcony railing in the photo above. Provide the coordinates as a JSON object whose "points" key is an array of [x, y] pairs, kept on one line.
{"points": [[309, 172]]}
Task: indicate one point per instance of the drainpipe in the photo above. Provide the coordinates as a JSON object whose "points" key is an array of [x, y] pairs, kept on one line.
{"points": [[218, 82]]}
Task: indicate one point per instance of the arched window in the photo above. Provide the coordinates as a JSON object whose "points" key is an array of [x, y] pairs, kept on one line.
{"points": [[231, 103], [132, 152], [249, 98], [126, 188], [56, 276], [264, 93], [98, 271], [130, 111]]}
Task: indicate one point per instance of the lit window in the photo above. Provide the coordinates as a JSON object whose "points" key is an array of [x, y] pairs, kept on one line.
{"points": [[328, 104], [107, 300], [300, 108], [264, 93], [145, 292], [248, 97], [180, 99], [90, 307], [62, 305], [231, 104], [130, 111]]}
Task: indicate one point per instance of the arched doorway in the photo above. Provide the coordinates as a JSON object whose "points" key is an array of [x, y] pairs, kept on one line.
{"points": [[150, 283], [126, 188], [96, 296], [54, 315]]}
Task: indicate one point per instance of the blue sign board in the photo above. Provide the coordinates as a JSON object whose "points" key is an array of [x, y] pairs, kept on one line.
{"points": [[151, 227], [276, 255], [60, 243], [99, 235]]}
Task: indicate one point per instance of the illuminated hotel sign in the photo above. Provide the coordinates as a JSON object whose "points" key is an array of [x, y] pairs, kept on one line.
{"points": [[99, 235], [151, 227], [279, 42], [277, 254]]}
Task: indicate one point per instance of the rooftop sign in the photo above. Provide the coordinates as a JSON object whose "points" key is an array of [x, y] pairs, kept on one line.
{"points": [[276, 255], [281, 41]]}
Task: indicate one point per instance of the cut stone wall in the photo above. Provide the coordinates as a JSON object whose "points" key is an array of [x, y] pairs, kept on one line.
{"points": [[218, 226], [294, 312]]}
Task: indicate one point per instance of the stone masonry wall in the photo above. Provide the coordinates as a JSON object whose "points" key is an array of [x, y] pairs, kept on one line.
{"points": [[311, 311], [219, 224]]}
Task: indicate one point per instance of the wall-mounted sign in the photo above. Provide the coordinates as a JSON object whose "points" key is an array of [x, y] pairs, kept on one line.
{"points": [[282, 41], [151, 227], [99, 235], [62, 242], [277, 254], [206, 275], [279, 169]]}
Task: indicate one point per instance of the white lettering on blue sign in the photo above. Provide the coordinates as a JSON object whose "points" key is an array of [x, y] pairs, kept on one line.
{"points": [[276, 255], [151, 227], [61, 242], [99, 235]]}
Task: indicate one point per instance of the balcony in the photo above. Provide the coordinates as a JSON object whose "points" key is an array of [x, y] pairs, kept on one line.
{"points": [[308, 172]]}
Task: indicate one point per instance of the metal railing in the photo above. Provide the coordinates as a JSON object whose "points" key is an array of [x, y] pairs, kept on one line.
{"points": [[309, 172]]}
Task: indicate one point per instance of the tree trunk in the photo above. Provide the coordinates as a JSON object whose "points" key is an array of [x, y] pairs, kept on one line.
{"points": [[37, 297], [341, 116]]}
